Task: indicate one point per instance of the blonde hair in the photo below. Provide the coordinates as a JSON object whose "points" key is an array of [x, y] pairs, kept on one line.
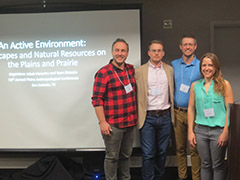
{"points": [[219, 83]]}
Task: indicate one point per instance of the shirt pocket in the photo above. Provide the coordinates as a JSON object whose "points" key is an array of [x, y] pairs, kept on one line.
{"points": [[218, 100]]}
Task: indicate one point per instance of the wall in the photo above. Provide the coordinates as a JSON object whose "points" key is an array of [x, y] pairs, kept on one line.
{"points": [[188, 16]]}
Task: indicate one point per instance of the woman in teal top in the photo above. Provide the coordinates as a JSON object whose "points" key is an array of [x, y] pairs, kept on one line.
{"points": [[204, 100], [209, 98]]}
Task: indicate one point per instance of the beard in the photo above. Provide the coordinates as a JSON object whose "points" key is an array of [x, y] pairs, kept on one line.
{"points": [[119, 64]]}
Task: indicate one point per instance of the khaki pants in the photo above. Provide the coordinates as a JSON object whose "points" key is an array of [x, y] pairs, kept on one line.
{"points": [[181, 136]]}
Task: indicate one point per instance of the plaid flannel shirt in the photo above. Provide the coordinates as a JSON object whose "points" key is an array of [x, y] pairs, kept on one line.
{"points": [[120, 108]]}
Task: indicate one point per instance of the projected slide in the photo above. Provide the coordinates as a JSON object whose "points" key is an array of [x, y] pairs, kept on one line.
{"points": [[37, 55], [47, 67]]}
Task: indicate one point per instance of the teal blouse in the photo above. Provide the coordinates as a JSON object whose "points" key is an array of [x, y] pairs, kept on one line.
{"points": [[209, 100]]}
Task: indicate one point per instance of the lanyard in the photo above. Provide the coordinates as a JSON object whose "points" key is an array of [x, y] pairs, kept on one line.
{"points": [[190, 76], [210, 111], [205, 96], [203, 100], [120, 79]]}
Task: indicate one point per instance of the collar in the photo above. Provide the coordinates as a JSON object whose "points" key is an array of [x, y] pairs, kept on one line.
{"points": [[193, 63], [115, 67], [210, 87], [153, 66]]}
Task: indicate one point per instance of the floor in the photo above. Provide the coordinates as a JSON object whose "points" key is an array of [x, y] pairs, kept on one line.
{"points": [[171, 174]]}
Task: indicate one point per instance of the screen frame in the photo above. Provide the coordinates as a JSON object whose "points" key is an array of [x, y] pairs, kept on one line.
{"points": [[67, 7]]}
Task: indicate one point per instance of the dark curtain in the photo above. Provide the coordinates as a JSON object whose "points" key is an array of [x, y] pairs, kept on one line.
{"points": [[50, 168]]}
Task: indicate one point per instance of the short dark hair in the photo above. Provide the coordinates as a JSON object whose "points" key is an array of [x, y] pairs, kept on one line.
{"points": [[188, 36], [120, 40], [155, 42]]}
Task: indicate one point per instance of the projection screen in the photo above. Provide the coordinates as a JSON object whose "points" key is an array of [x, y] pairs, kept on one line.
{"points": [[47, 67]]}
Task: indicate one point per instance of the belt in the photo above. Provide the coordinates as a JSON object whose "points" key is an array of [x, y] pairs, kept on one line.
{"points": [[181, 109], [157, 113]]}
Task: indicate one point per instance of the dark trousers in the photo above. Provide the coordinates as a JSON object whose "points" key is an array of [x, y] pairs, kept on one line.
{"points": [[155, 135]]}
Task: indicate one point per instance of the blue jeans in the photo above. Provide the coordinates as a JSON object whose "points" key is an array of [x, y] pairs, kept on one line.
{"points": [[118, 152], [155, 135], [212, 157]]}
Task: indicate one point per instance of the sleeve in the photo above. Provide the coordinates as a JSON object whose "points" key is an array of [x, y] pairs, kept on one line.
{"points": [[99, 89]]}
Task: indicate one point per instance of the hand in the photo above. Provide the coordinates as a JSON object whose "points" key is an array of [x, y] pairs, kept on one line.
{"points": [[105, 128], [192, 139], [223, 139]]}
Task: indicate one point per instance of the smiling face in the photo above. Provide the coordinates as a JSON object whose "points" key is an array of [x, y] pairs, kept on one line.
{"points": [[207, 68], [188, 46], [119, 53]]}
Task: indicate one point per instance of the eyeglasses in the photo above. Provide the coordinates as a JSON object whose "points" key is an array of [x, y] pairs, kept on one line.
{"points": [[188, 44], [156, 50]]}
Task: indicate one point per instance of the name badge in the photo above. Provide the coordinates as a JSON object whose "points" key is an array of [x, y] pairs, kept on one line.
{"points": [[209, 112], [184, 88], [128, 88], [155, 92]]}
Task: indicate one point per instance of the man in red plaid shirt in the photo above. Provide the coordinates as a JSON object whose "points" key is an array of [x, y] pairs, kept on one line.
{"points": [[114, 101]]}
